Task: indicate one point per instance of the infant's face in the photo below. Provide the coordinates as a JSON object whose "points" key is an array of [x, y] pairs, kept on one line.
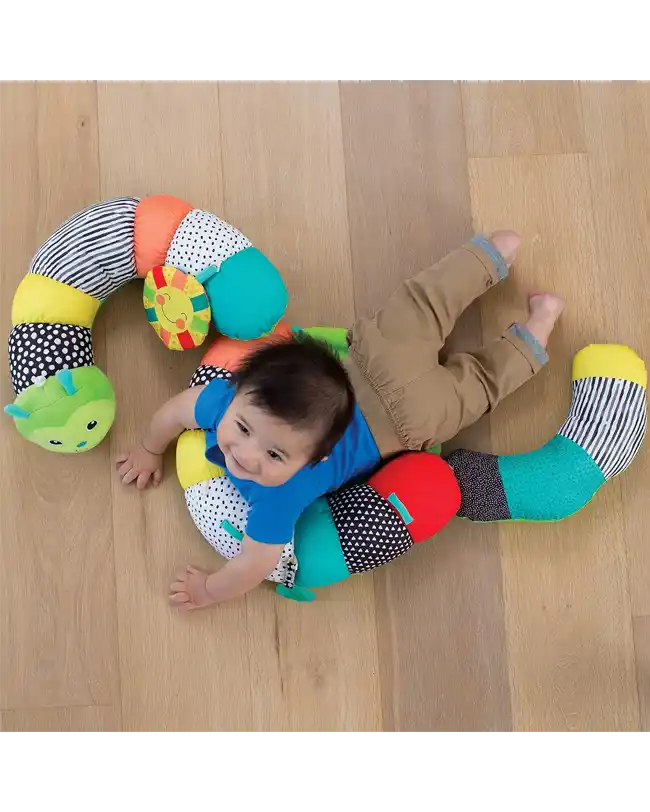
{"points": [[259, 447]]}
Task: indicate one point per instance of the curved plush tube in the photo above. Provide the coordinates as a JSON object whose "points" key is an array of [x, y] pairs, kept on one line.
{"points": [[64, 402], [599, 439], [412, 497]]}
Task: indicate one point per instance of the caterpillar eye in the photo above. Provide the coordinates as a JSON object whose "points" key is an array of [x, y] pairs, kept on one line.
{"points": [[55, 442], [91, 425]]}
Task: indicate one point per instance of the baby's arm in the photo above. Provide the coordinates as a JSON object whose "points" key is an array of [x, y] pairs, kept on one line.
{"points": [[194, 588], [145, 461]]}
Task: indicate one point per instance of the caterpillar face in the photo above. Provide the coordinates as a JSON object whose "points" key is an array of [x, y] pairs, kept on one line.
{"points": [[85, 428], [172, 309], [67, 413]]}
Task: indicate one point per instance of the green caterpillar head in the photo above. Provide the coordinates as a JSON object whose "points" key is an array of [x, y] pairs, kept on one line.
{"points": [[67, 413]]}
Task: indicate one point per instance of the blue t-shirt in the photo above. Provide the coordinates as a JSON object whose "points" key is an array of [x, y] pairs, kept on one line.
{"points": [[275, 511]]}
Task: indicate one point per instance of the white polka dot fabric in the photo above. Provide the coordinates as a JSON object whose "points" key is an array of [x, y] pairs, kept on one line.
{"points": [[202, 239], [217, 500], [38, 351], [206, 373]]}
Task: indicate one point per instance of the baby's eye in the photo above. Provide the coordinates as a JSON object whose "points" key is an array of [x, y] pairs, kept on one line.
{"points": [[91, 425], [55, 442], [275, 456], [243, 429]]}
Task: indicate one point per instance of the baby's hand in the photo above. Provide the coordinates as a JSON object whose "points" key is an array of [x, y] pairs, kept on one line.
{"points": [[189, 590], [140, 466]]}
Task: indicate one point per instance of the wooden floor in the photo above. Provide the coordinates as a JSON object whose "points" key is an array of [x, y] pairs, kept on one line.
{"points": [[348, 189]]}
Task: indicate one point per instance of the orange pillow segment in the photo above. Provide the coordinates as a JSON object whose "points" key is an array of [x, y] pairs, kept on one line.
{"points": [[156, 220], [228, 353]]}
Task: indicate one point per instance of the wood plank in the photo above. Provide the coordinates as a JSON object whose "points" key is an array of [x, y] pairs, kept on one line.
{"points": [[360, 658], [571, 656], [178, 672], [57, 587], [62, 139], [161, 138], [642, 648], [407, 181], [617, 123], [284, 185], [89, 719], [439, 609], [515, 118], [314, 666]]}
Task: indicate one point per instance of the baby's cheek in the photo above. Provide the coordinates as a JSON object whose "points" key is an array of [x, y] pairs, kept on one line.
{"points": [[222, 435], [284, 475]]}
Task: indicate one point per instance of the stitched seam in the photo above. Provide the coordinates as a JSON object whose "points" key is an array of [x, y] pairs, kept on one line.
{"points": [[497, 261], [395, 424], [485, 262]]}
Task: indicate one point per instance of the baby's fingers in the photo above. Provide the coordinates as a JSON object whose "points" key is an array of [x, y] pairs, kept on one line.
{"points": [[125, 466], [182, 601], [179, 597], [130, 476]]}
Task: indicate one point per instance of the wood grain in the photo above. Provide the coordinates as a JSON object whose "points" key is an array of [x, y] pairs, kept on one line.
{"points": [[617, 124], [162, 138], [522, 118], [568, 620], [409, 204], [642, 647], [407, 181], [314, 667], [348, 189], [90, 719], [178, 672], [57, 582], [284, 186]]}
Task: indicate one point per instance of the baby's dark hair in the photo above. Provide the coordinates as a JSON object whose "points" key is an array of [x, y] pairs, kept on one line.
{"points": [[301, 381]]}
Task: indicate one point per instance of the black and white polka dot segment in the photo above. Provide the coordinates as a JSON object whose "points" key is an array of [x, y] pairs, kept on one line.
{"points": [[370, 531], [38, 351], [201, 240], [217, 502], [206, 373]]}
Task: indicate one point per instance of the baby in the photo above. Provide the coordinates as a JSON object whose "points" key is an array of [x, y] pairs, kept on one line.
{"points": [[294, 423]]}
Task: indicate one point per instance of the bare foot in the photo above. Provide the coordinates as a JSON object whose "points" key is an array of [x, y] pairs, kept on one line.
{"points": [[506, 243], [545, 310]]}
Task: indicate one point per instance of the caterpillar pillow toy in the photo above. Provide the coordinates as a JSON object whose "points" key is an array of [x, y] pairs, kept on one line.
{"points": [[412, 497], [197, 269]]}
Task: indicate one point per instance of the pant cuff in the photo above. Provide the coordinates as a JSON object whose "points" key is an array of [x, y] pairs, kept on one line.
{"points": [[523, 333], [500, 266]]}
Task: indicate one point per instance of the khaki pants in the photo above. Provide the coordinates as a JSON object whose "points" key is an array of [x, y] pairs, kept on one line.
{"points": [[410, 399]]}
